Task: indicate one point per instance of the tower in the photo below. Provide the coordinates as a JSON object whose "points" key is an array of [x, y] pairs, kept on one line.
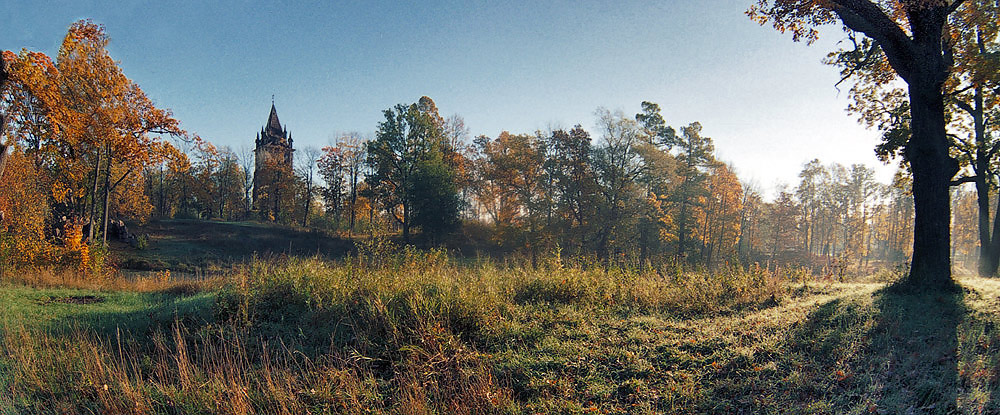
{"points": [[272, 166]]}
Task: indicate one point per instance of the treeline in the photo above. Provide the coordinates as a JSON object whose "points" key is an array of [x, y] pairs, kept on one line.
{"points": [[634, 190], [89, 149]]}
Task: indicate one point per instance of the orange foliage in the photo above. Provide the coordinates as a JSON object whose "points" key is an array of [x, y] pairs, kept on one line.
{"points": [[86, 128], [23, 207], [77, 252]]}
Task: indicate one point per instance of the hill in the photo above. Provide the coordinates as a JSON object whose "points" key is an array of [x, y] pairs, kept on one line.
{"points": [[206, 247]]}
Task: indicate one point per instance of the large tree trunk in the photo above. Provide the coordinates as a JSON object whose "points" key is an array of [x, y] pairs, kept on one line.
{"points": [[983, 200], [932, 169], [93, 196], [923, 59]]}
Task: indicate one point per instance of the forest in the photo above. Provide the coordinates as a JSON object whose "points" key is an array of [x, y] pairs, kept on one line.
{"points": [[620, 268]]}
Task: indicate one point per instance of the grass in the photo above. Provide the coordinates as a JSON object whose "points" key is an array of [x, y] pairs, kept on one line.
{"points": [[414, 332]]}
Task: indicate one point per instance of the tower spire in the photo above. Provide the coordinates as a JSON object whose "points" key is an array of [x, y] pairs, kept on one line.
{"points": [[273, 124]]}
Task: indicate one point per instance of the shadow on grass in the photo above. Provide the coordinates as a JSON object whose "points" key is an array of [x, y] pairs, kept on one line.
{"points": [[193, 246], [155, 312], [892, 352]]}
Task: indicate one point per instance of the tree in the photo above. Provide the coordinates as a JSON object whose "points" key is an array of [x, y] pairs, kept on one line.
{"points": [[571, 172], [307, 164], [331, 168], [618, 166], [3, 144], [780, 226], [916, 43], [971, 94], [352, 150], [435, 199], [720, 215], [410, 138], [88, 127], [813, 176], [694, 157], [506, 171], [974, 90]]}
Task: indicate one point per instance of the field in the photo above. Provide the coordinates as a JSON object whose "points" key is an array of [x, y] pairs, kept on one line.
{"points": [[405, 331]]}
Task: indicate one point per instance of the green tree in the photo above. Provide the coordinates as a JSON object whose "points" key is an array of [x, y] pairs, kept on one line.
{"points": [[570, 169], [435, 198], [410, 137]]}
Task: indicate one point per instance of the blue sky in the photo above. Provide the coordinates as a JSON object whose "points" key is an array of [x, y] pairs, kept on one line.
{"points": [[769, 104]]}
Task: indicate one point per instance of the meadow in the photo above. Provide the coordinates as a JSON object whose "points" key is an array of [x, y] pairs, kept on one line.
{"points": [[405, 331]]}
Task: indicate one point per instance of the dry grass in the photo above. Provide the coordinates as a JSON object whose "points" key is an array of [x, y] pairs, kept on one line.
{"points": [[110, 280], [412, 332]]}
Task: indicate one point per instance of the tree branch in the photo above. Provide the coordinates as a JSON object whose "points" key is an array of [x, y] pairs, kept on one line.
{"points": [[963, 105], [866, 17], [963, 180], [119, 181], [954, 6]]}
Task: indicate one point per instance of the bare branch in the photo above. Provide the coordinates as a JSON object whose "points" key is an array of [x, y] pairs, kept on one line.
{"points": [[963, 180]]}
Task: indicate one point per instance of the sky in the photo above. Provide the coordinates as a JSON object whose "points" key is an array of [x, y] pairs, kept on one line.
{"points": [[769, 104]]}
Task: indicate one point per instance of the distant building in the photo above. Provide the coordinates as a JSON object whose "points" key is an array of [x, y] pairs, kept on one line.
{"points": [[272, 166]]}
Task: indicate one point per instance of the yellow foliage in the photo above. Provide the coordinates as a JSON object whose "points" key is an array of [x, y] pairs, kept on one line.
{"points": [[76, 250], [23, 207]]}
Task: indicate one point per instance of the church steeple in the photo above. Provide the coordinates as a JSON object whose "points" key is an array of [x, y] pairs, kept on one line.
{"points": [[273, 125], [272, 163]]}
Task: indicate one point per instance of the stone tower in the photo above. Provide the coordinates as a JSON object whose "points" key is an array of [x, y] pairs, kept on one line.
{"points": [[272, 161]]}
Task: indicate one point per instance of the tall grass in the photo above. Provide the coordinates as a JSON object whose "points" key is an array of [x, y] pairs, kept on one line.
{"points": [[406, 332]]}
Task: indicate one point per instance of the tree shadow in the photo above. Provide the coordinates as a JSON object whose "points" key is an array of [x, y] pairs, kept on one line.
{"points": [[891, 352], [155, 312], [914, 346]]}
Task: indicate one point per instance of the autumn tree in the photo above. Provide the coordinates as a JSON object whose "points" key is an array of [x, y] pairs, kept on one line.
{"points": [[974, 92], [3, 144], [780, 227], [749, 242], [506, 180], [970, 95], [352, 150], [331, 165], [657, 227], [719, 215], [89, 127], [306, 168], [813, 178], [917, 44], [694, 156]]}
